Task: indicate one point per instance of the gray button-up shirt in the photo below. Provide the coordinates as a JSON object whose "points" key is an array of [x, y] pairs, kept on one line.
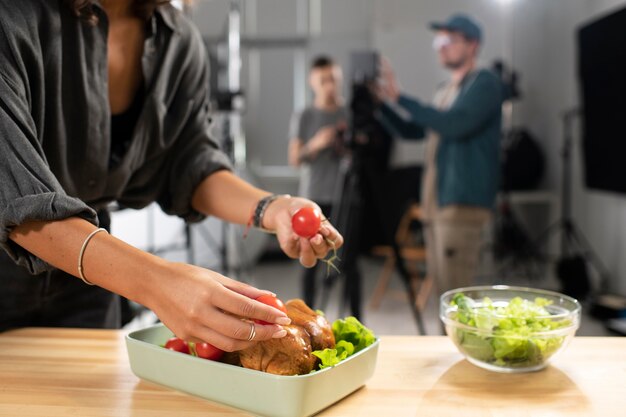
{"points": [[55, 119]]}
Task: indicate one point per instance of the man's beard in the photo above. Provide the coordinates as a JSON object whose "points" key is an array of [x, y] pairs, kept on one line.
{"points": [[455, 65]]}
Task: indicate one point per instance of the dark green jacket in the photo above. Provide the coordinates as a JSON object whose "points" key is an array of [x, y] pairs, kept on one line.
{"points": [[468, 152]]}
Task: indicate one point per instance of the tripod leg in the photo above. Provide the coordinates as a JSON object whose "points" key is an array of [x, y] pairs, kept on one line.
{"points": [[352, 276], [339, 214], [543, 237], [347, 214], [577, 235]]}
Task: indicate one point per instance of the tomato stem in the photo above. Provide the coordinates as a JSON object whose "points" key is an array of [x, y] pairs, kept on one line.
{"points": [[330, 262], [192, 349]]}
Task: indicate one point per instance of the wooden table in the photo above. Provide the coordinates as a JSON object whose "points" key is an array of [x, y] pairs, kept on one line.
{"points": [[68, 372]]}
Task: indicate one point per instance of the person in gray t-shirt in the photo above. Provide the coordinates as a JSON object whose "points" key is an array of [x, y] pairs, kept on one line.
{"points": [[313, 134], [314, 144]]}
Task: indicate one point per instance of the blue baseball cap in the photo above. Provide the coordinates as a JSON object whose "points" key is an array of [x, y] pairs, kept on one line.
{"points": [[460, 23]]}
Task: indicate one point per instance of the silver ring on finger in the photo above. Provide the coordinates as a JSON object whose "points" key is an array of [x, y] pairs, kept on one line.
{"points": [[252, 332]]}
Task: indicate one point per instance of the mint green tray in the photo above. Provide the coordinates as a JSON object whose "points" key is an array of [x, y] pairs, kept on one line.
{"points": [[256, 392]]}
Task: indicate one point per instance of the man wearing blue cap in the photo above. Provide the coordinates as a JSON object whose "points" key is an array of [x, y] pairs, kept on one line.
{"points": [[462, 130]]}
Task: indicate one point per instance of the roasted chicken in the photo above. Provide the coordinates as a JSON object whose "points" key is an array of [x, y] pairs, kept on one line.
{"points": [[291, 355]]}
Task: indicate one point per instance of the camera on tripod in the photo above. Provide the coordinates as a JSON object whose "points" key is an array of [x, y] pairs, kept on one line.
{"points": [[365, 136]]}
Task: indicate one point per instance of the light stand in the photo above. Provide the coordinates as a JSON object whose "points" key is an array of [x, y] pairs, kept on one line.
{"points": [[573, 241]]}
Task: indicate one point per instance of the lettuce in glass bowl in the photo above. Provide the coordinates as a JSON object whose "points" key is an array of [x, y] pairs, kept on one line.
{"points": [[509, 329]]}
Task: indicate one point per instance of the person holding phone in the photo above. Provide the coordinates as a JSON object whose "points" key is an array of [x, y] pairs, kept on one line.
{"points": [[462, 128]]}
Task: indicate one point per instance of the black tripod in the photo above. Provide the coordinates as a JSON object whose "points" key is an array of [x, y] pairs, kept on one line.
{"points": [[573, 241], [514, 248], [348, 214]]}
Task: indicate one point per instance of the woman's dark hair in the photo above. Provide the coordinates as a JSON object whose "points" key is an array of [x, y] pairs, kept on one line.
{"points": [[84, 9]]}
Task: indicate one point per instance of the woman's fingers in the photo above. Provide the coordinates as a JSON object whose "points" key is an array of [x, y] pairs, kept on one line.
{"points": [[242, 288], [291, 245], [308, 251], [242, 306], [320, 246], [236, 336], [308, 258], [238, 329], [203, 306], [331, 236]]}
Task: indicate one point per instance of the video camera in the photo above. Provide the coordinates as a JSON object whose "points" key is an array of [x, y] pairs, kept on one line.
{"points": [[364, 135]]}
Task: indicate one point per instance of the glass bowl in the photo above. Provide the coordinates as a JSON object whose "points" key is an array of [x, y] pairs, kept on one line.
{"points": [[509, 329]]}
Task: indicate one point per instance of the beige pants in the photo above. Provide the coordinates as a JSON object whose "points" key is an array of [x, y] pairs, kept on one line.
{"points": [[453, 242]]}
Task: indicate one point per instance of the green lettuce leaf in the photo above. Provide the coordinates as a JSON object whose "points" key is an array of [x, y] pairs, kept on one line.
{"points": [[351, 330], [331, 357], [350, 337]]}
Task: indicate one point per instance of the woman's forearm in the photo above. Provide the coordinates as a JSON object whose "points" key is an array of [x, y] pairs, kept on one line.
{"points": [[107, 261], [195, 303], [228, 197]]}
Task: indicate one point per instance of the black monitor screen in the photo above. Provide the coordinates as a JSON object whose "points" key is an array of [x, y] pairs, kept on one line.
{"points": [[602, 70]]}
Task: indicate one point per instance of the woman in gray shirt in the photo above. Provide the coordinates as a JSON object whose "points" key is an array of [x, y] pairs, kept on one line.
{"points": [[68, 68]]}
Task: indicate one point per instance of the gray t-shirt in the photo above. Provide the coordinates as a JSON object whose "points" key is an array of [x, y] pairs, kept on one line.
{"points": [[318, 176]]}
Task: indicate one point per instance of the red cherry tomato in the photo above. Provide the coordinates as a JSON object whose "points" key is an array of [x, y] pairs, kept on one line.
{"points": [[271, 301], [306, 222], [177, 344], [208, 351]]}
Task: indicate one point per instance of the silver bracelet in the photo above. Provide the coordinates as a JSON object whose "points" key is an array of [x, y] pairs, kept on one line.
{"points": [[82, 252]]}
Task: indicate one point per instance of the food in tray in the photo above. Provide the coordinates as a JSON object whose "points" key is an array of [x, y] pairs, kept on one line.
{"points": [[293, 354], [311, 343], [201, 350]]}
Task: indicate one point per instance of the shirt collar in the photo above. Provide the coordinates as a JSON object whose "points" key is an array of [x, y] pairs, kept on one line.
{"points": [[168, 13]]}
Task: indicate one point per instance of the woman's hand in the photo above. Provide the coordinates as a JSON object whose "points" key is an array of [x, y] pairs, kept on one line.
{"points": [[199, 305], [307, 250], [230, 198]]}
